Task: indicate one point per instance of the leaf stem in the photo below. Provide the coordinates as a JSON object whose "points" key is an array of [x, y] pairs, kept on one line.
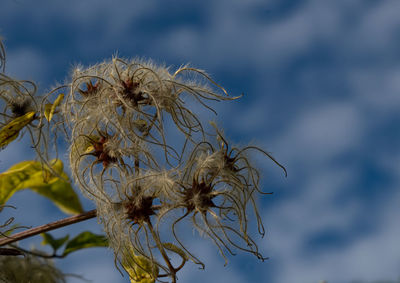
{"points": [[48, 227], [162, 251], [36, 253]]}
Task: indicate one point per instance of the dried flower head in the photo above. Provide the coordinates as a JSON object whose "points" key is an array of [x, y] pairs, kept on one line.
{"points": [[29, 269], [216, 189], [118, 107], [128, 216], [145, 186], [17, 97], [106, 156], [117, 93], [216, 207], [19, 110]]}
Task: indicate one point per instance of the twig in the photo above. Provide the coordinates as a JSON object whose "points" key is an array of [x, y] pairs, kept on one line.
{"points": [[35, 253], [10, 252], [48, 227]]}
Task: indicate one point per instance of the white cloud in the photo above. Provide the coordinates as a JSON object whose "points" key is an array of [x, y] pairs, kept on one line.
{"points": [[215, 271], [321, 132], [372, 256], [376, 29], [376, 89], [182, 43]]}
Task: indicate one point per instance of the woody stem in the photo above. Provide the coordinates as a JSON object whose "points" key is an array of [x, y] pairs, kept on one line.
{"points": [[48, 227]]}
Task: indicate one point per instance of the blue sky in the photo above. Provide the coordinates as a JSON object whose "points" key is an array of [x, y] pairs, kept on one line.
{"points": [[321, 84]]}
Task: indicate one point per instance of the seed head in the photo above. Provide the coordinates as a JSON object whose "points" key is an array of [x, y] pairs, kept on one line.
{"points": [[139, 209], [29, 269], [199, 196], [122, 158]]}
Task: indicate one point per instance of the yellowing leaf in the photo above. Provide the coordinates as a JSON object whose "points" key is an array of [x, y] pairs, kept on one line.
{"points": [[84, 144], [142, 270], [89, 149], [139, 268], [32, 175], [49, 108], [11, 131]]}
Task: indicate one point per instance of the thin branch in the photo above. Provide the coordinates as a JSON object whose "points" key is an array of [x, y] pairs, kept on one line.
{"points": [[36, 253], [48, 227], [10, 252]]}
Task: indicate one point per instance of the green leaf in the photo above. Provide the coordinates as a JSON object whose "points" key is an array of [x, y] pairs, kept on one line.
{"points": [[11, 131], [49, 108], [32, 175], [54, 243], [85, 240]]}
